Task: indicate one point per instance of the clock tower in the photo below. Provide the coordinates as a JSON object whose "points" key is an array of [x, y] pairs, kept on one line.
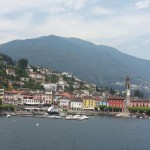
{"points": [[127, 93]]}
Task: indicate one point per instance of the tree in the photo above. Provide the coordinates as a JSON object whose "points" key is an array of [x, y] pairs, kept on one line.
{"points": [[138, 93], [0, 101], [112, 91], [1, 60], [21, 72], [22, 63]]}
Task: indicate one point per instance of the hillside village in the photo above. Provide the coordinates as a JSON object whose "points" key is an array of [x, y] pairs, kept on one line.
{"points": [[29, 87]]}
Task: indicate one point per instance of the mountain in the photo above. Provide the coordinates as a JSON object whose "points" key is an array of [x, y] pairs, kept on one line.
{"points": [[94, 63]]}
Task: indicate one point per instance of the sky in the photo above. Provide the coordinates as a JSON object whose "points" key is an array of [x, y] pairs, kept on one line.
{"points": [[123, 24]]}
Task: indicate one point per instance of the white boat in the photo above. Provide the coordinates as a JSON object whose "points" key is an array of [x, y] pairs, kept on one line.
{"points": [[76, 117], [54, 117], [85, 117], [69, 117], [8, 116], [119, 115]]}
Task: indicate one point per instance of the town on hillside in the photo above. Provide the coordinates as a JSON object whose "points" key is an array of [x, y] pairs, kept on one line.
{"points": [[30, 88]]}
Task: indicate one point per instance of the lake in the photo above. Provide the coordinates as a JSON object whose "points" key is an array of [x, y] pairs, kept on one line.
{"points": [[97, 133]]}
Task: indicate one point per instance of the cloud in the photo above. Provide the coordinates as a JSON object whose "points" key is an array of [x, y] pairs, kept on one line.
{"points": [[116, 26], [142, 4], [73, 4], [100, 11], [52, 6]]}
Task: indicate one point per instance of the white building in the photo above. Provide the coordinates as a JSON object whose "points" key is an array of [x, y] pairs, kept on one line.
{"points": [[24, 98], [64, 102], [76, 104], [10, 72], [67, 74], [13, 97], [1, 94], [50, 87], [45, 98], [62, 83], [37, 76]]}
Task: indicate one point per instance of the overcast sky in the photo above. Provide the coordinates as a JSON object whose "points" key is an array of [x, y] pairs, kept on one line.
{"points": [[123, 24]]}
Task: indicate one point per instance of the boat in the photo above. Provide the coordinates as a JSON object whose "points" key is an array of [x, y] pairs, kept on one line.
{"points": [[76, 117], [53, 111], [8, 116], [55, 117], [69, 117], [119, 115], [85, 117]]}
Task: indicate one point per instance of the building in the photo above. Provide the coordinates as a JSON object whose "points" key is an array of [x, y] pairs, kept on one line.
{"points": [[64, 103], [62, 83], [10, 72], [137, 102], [97, 101], [45, 98], [1, 94], [89, 103], [50, 87], [67, 74], [13, 97], [116, 101], [29, 100], [37, 76], [103, 103], [76, 104]]}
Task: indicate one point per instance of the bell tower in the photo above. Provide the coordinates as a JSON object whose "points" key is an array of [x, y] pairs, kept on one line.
{"points": [[127, 93]]}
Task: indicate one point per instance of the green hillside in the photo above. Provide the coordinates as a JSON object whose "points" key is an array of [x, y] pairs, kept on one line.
{"points": [[94, 63]]}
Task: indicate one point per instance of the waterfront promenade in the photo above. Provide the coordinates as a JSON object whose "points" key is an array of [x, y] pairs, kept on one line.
{"points": [[69, 112]]}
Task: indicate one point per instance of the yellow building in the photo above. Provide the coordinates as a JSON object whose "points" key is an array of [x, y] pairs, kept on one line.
{"points": [[89, 103], [1, 94]]}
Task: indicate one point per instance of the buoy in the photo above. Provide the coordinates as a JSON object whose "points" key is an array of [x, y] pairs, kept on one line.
{"points": [[37, 124]]}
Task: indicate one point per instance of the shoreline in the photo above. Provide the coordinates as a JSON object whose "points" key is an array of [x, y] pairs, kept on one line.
{"points": [[87, 113], [40, 114]]}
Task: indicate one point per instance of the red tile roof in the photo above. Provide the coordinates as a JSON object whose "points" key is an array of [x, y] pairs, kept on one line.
{"points": [[113, 97]]}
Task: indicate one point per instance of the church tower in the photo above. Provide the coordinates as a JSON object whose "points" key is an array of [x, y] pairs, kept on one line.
{"points": [[127, 93]]}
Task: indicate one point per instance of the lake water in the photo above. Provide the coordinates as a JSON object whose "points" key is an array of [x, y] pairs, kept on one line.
{"points": [[97, 133]]}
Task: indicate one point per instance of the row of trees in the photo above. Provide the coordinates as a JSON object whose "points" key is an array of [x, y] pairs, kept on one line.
{"points": [[6, 107], [108, 109], [141, 110]]}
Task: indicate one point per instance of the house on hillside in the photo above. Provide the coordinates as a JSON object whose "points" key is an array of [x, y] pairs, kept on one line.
{"points": [[37, 76], [67, 74], [62, 83], [50, 87], [11, 72]]}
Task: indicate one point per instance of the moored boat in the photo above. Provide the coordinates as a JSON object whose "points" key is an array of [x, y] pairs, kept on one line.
{"points": [[55, 117], [85, 117], [8, 116], [76, 117]]}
